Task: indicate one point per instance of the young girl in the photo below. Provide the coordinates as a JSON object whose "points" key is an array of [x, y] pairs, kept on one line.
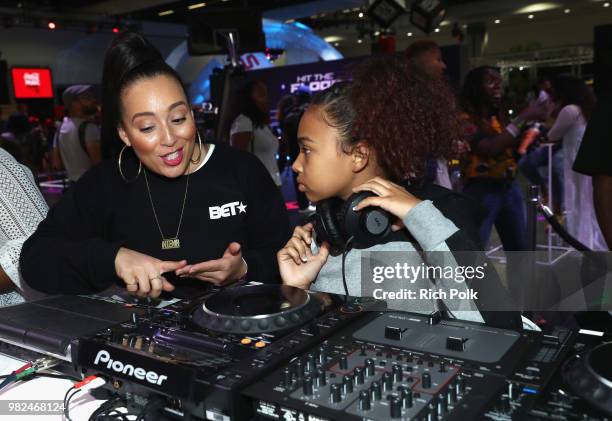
{"points": [[374, 135]]}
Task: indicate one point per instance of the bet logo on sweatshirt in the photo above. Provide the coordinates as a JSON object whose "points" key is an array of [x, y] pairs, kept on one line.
{"points": [[226, 210]]}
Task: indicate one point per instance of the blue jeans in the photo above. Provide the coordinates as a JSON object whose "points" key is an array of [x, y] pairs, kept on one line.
{"points": [[506, 210]]}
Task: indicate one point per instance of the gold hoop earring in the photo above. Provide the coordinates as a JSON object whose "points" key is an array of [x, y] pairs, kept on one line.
{"points": [[199, 147], [121, 171]]}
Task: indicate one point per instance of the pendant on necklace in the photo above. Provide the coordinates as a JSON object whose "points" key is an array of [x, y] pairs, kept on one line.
{"points": [[171, 243]]}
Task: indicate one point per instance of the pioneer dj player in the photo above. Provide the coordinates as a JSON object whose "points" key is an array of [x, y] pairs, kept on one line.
{"points": [[281, 353]]}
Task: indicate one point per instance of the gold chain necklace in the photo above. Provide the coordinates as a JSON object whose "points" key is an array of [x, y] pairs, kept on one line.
{"points": [[174, 242]]}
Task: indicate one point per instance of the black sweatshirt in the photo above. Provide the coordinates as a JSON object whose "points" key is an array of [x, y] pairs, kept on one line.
{"points": [[73, 250]]}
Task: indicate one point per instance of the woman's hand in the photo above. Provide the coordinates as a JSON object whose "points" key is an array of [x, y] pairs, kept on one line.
{"points": [[142, 274], [298, 266], [228, 268], [389, 196]]}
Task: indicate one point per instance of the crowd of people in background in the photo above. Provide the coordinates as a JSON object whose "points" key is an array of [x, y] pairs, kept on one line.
{"points": [[493, 148]]}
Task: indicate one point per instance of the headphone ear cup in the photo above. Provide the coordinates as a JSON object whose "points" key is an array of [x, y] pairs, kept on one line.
{"points": [[329, 226], [367, 226]]}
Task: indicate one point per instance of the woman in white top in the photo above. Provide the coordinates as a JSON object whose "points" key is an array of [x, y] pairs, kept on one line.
{"points": [[22, 207], [250, 130], [576, 102]]}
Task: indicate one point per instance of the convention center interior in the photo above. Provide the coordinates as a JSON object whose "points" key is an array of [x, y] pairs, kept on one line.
{"points": [[306, 210]]}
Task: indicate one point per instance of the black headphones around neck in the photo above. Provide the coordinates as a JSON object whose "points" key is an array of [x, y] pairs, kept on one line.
{"points": [[336, 222]]}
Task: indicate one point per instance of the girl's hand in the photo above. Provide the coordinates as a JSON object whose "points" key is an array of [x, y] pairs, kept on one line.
{"points": [[298, 266], [389, 196]]}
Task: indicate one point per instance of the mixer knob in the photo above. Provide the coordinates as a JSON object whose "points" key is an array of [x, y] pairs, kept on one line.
{"points": [[504, 404], [343, 362], [347, 384], [322, 354], [451, 395], [369, 367], [407, 398], [375, 389], [387, 380], [311, 363], [365, 403], [442, 367], [307, 386], [335, 393], [442, 406], [461, 385], [432, 413], [358, 372], [299, 369], [397, 372], [364, 348], [287, 377], [395, 407], [512, 391], [426, 381], [321, 377]]}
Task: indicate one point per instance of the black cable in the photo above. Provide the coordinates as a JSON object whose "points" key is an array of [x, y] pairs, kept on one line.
{"points": [[67, 399], [559, 229], [57, 376], [107, 407], [344, 254]]}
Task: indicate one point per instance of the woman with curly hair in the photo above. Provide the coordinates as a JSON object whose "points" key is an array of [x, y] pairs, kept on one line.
{"points": [[374, 135]]}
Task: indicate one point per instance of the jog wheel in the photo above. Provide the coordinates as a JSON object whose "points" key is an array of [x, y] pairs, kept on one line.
{"points": [[589, 375], [257, 309]]}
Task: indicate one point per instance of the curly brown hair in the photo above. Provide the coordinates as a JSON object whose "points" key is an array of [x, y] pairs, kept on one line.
{"points": [[405, 117]]}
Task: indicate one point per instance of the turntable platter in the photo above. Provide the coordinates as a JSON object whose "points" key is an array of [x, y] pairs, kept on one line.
{"points": [[590, 376], [256, 309]]}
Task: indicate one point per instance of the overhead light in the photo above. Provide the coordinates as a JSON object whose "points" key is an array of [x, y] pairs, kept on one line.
{"points": [[51, 25], [377, 33], [510, 112], [333, 38], [359, 41], [336, 44], [196, 6], [165, 13], [521, 68], [409, 34], [437, 30], [606, 4], [566, 11], [497, 21], [360, 14], [538, 7], [530, 17], [115, 29]]}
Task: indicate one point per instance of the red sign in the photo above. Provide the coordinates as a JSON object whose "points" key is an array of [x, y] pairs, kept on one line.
{"points": [[32, 82]]}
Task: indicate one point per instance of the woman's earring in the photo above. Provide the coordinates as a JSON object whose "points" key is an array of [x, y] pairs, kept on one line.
{"points": [[121, 171], [199, 147]]}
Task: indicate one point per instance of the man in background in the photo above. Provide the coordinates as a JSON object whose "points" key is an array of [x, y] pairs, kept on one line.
{"points": [[77, 142]]}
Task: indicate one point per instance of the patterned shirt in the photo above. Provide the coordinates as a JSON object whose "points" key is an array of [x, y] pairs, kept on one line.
{"points": [[22, 207]]}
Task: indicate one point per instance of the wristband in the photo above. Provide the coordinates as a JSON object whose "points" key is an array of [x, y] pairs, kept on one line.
{"points": [[513, 130]]}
